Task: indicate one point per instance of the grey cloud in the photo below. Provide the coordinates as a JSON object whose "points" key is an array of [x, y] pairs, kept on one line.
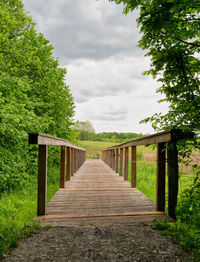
{"points": [[76, 33], [111, 114]]}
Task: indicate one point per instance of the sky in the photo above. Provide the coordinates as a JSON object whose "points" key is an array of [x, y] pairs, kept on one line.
{"points": [[97, 44]]}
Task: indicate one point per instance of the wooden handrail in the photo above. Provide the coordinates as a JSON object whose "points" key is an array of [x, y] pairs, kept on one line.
{"points": [[74, 158], [43, 139], [116, 154], [165, 136]]}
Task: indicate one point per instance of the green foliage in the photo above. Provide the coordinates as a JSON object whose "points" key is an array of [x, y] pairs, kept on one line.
{"points": [[33, 94], [113, 137], [18, 208], [171, 30], [84, 130], [186, 229]]}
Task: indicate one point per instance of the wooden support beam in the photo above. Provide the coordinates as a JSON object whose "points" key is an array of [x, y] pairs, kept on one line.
{"points": [[121, 162], [113, 159], [72, 161], [126, 164], [42, 179], [160, 179], [172, 157], [62, 167], [117, 161], [68, 163], [43, 139], [133, 166]]}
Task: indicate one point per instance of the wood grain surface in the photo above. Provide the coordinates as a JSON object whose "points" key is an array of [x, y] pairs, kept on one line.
{"points": [[96, 190]]}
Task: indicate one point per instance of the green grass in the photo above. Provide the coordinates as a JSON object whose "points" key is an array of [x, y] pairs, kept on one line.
{"points": [[96, 144], [17, 211], [146, 179]]}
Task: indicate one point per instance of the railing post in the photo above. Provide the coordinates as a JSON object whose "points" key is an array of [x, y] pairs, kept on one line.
{"points": [[109, 158], [133, 166], [160, 179], [121, 162], [117, 160], [74, 155], [68, 163], [113, 159], [126, 164], [62, 167], [72, 161], [42, 179], [172, 157]]}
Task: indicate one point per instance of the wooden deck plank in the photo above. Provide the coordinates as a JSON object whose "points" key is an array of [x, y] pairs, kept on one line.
{"points": [[103, 215], [96, 190]]}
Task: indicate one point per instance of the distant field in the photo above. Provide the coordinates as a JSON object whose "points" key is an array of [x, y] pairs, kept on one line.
{"points": [[102, 145], [96, 144], [141, 150]]}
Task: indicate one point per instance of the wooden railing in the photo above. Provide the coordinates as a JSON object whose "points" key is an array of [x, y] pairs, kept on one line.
{"points": [[117, 157], [72, 155]]}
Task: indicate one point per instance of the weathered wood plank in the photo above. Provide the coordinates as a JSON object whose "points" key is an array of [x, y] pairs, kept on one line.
{"points": [[68, 175], [42, 180], [172, 157], [62, 166], [126, 164], [161, 137], [160, 178], [96, 191], [43, 139], [133, 166], [105, 215]]}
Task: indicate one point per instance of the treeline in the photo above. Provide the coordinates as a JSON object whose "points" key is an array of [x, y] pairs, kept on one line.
{"points": [[85, 131], [33, 94], [111, 136]]}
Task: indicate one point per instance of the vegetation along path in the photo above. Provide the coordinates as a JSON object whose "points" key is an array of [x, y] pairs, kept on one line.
{"points": [[98, 217]]}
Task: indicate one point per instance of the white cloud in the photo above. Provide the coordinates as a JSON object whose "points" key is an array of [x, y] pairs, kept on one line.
{"points": [[98, 45]]}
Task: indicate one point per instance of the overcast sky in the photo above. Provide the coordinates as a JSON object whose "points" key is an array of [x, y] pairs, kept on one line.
{"points": [[98, 46]]}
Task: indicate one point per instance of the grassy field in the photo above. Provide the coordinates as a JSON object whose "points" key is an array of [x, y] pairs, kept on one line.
{"points": [[95, 144]]}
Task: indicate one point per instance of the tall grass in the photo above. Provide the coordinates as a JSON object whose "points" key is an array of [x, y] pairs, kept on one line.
{"points": [[18, 208], [146, 179]]}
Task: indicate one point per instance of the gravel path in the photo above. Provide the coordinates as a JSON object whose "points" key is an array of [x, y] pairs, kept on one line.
{"points": [[98, 243]]}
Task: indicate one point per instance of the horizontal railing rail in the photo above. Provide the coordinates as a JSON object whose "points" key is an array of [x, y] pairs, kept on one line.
{"points": [[43, 139], [71, 158], [117, 157]]}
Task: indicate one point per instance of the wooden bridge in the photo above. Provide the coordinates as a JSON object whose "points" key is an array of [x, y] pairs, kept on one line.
{"points": [[98, 188]]}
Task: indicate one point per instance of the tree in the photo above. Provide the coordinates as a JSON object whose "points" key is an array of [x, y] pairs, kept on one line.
{"points": [[84, 130], [33, 93], [171, 30]]}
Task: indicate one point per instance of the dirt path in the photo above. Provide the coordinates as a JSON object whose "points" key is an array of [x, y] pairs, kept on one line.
{"points": [[122, 243]]}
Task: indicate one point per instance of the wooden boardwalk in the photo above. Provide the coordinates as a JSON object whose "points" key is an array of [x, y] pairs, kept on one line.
{"points": [[97, 193]]}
